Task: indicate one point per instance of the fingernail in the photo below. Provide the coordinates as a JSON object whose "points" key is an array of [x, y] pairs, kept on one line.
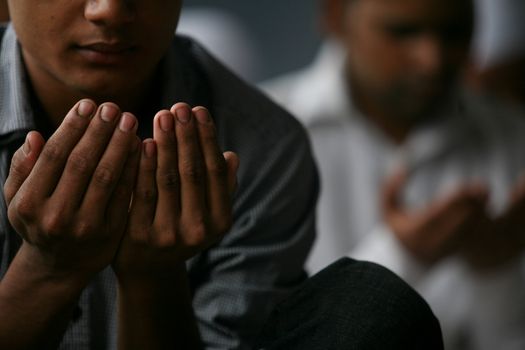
{"points": [[202, 115], [166, 122], [149, 149], [183, 114], [127, 122], [85, 109], [108, 113], [26, 148]]}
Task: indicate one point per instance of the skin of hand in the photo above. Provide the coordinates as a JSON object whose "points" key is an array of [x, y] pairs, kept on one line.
{"points": [[68, 199], [71, 208], [182, 202], [498, 240], [439, 229], [183, 189]]}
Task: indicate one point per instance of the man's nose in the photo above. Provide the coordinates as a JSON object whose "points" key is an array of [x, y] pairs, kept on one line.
{"points": [[428, 54], [110, 12]]}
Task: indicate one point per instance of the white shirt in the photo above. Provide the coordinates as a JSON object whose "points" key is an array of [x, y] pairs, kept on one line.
{"points": [[481, 141]]}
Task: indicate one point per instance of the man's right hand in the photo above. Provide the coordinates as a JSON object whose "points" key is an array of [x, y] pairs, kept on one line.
{"points": [[501, 239], [439, 229], [69, 198]]}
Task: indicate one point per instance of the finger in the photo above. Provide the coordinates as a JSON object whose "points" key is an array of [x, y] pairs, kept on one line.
{"points": [[191, 164], [216, 174], [167, 177], [457, 215], [50, 164], [466, 199], [120, 200], [517, 198], [513, 219], [80, 167], [145, 194], [391, 202], [22, 163], [109, 169], [232, 163]]}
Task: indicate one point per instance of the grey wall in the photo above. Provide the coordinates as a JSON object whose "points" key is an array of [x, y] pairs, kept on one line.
{"points": [[285, 32]]}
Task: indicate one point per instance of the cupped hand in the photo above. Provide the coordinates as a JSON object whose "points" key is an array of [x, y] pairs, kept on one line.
{"points": [[68, 197], [182, 202], [440, 228], [501, 239]]}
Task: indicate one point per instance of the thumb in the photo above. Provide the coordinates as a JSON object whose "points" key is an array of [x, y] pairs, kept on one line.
{"points": [[22, 163], [392, 190]]}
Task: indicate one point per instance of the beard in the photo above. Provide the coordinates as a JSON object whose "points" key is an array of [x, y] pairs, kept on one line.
{"points": [[413, 100]]}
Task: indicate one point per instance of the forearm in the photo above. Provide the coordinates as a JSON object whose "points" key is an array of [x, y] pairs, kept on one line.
{"points": [[157, 314], [35, 305]]}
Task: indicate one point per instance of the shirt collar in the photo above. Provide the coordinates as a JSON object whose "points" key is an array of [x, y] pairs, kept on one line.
{"points": [[445, 132], [322, 96], [15, 110]]}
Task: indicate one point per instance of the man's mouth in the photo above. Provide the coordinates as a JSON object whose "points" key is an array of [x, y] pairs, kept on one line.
{"points": [[106, 53]]}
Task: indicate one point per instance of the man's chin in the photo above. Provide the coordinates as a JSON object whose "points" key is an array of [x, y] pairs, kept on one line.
{"points": [[103, 91], [424, 110]]}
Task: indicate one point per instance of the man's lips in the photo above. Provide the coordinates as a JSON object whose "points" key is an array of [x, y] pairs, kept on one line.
{"points": [[108, 47], [106, 53]]}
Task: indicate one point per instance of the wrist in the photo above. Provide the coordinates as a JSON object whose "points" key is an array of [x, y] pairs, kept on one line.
{"points": [[154, 282], [36, 302], [36, 267], [157, 312]]}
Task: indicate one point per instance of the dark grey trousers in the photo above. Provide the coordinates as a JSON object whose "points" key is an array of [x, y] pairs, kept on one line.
{"points": [[353, 305]]}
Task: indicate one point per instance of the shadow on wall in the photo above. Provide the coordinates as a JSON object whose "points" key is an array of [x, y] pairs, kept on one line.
{"points": [[225, 36], [284, 34]]}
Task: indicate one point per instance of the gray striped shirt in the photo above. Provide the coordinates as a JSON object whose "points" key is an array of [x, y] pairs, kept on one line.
{"points": [[237, 282]]}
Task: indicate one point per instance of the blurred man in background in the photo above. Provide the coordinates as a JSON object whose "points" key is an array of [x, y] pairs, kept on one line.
{"points": [[417, 174]]}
